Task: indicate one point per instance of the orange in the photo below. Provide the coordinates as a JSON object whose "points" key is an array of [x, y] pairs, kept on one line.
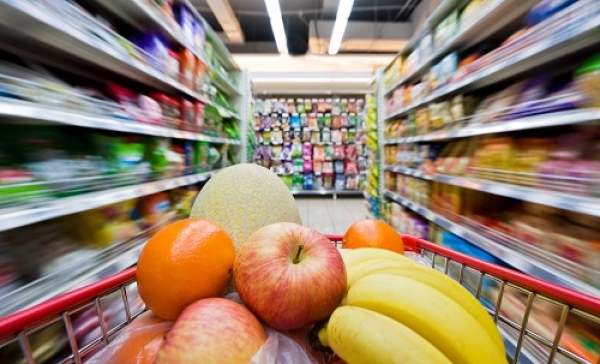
{"points": [[186, 261], [372, 234]]}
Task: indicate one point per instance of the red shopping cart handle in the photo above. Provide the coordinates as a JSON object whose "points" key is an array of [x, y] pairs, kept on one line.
{"points": [[565, 295], [25, 319], [21, 320]]}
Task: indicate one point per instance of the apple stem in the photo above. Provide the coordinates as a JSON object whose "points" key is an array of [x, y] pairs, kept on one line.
{"points": [[300, 247]]}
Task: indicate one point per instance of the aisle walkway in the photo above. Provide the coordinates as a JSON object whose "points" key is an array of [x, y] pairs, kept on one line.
{"points": [[331, 216]]}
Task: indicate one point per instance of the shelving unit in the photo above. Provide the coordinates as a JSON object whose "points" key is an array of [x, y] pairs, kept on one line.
{"points": [[520, 260], [316, 149], [75, 45], [22, 216], [40, 113], [436, 187], [577, 37]]}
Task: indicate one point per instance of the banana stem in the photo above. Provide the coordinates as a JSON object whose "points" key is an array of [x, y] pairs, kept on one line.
{"points": [[300, 247]]}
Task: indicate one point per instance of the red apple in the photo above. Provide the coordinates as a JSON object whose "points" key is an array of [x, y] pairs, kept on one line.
{"points": [[289, 275], [213, 331]]}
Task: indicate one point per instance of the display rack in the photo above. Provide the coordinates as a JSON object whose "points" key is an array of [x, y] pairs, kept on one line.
{"points": [[523, 261], [75, 45], [427, 193], [319, 151], [11, 218]]}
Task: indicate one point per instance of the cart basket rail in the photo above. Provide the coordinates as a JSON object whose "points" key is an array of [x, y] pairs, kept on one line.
{"points": [[523, 341]]}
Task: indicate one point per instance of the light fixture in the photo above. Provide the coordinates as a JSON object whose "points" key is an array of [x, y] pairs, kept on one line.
{"points": [[226, 18], [341, 21], [274, 11]]}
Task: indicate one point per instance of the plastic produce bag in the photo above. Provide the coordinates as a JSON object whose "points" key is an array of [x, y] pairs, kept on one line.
{"points": [[285, 348], [137, 344]]}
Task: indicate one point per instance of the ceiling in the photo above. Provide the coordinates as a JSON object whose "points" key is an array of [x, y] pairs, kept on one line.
{"points": [[298, 18]]}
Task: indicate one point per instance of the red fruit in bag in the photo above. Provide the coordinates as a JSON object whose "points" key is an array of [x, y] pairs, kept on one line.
{"points": [[137, 344]]}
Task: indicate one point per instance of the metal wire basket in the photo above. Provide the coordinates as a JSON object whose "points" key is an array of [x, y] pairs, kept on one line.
{"points": [[112, 303]]}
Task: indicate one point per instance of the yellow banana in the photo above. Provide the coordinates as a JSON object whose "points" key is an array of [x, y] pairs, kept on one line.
{"points": [[322, 334], [428, 312], [356, 256], [447, 286], [363, 269], [361, 336]]}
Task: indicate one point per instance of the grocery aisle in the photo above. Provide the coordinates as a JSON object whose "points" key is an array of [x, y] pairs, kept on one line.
{"points": [[331, 216]]}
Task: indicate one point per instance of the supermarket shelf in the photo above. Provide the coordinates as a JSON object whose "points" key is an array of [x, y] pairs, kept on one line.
{"points": [[491, 20], [432, 20], [12, 218], [142, 15], [323, 192], [218, 46], [582, 204], [24, 23], [579, 37], [520, 261], [36, 112], [533, 122], [79, 271], [585, 205], [408, 172]]}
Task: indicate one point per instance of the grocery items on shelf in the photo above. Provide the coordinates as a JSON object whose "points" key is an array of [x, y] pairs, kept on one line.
{"points": [[78, 249], [478, 122], [48, 162], [371, 187], [556, 28], [313, 144]]}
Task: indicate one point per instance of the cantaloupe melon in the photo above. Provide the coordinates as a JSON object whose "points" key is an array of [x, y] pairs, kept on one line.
{"points": [[243, 198]]}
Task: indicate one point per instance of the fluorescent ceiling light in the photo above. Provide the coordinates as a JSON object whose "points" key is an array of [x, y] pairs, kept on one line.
{"points": [[341, 21], [274, 11]]}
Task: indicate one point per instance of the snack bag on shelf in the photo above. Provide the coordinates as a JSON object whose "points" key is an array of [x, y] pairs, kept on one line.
{"points": [[327, 121], [319, 152], [351, 151], [326, 135], [298, 165], [328, 167], [307, 151], [288, 167], [286, 152], [317, 167], [352, 182], [315, 136], [276, 152], [298, 180], [307, 166], [339, 151], [329, 153], [276, 136], [351, 168], [306, 135], [336, 136], [338, 166], [328, 179], [309, 181], [319, 181], [295, 121], [340, 181]]}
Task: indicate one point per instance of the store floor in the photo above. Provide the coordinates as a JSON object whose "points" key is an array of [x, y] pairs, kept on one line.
{"points": [[331, 216]]}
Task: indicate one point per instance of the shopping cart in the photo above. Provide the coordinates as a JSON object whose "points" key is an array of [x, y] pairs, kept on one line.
{"points": [[517, 303]]}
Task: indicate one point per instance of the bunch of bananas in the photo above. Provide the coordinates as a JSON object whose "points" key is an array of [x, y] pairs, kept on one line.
{"points": [[398, 311]]}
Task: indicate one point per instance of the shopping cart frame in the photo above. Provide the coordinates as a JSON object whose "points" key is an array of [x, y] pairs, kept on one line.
{"points": [[16, 327]]}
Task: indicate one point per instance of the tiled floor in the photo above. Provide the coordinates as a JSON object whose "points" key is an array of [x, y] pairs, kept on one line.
{"points": [[331, 216]]}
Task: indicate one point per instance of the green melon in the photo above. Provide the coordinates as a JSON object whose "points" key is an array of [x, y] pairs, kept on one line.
{"points": [[243, 198]]}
